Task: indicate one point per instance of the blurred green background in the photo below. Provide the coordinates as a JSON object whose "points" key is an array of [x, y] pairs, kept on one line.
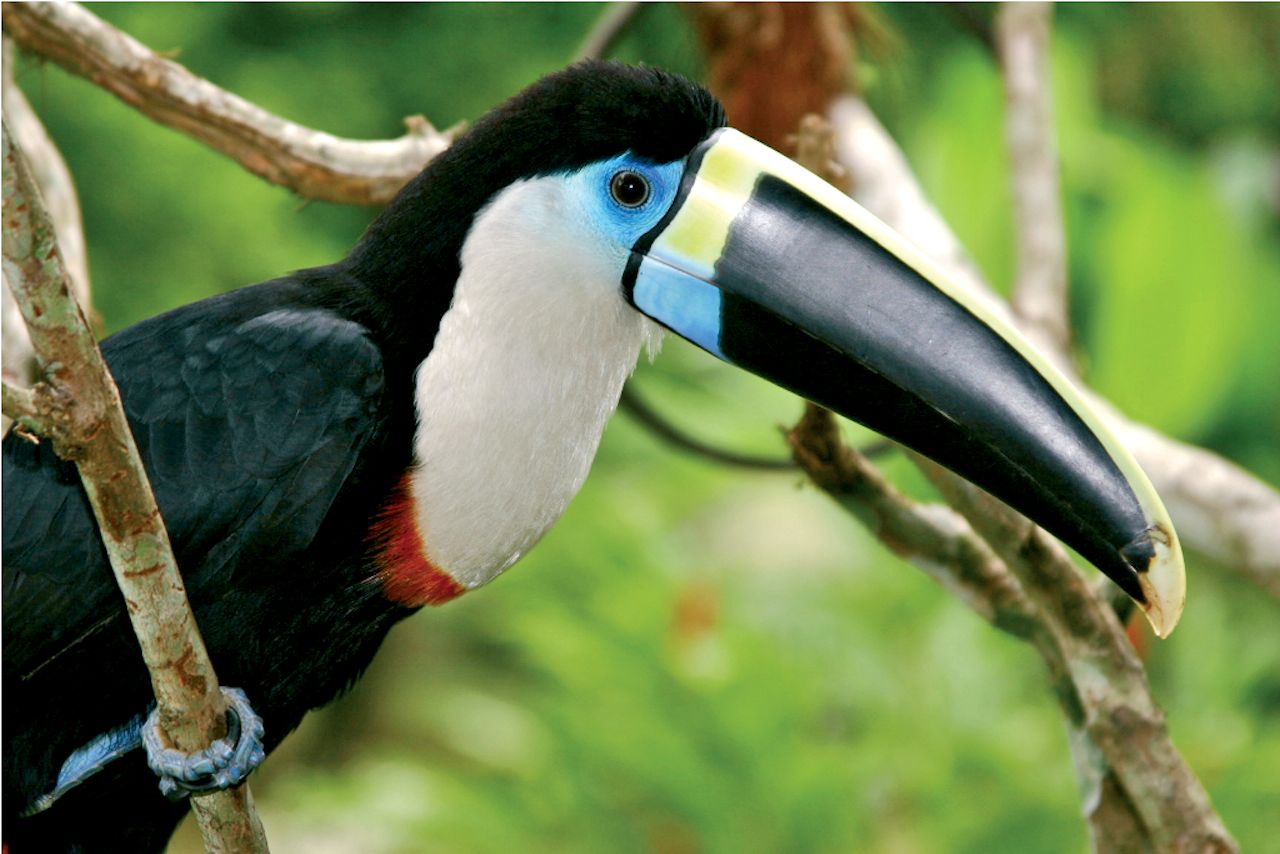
{"points": [[706, 660]]}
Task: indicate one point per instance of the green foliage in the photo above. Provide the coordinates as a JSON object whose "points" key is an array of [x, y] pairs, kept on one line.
{"points": [[698, 659]]}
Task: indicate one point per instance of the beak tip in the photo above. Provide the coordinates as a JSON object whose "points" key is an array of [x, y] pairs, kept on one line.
{"points": [[1163, 580]]}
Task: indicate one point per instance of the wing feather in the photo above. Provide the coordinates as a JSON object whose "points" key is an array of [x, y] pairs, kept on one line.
{"points": [[249, 414]]}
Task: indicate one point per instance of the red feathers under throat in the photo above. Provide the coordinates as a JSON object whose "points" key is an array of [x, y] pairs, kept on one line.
{"points": [[407, 576]]}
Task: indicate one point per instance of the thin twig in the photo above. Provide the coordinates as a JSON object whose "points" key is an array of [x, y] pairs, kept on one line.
{"points": [[658, 424], [314, 165], [638, 408], [20, 405], [1040, 286], [94, 434], [608, 28]]}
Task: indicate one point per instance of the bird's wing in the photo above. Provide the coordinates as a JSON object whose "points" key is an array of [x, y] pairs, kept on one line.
{"points": [[249, 417]]}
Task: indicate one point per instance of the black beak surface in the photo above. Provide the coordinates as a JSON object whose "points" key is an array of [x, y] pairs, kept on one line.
{"points": [[771, 269]]}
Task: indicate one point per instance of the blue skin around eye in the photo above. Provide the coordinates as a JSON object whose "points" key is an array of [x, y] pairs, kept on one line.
{"points": [[623, 225], [683, 303]]}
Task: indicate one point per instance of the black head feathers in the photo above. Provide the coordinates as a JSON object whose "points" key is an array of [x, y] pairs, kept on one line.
{"points": [[593, 110], [587, 112]]}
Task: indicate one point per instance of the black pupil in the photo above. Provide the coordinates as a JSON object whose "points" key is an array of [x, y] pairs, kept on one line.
{"points": [[629, 189]]}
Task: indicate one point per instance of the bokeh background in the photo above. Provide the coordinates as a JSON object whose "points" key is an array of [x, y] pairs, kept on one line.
{"points": [[700, 659]]}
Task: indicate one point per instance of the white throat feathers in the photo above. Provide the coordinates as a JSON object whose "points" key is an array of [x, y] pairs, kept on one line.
{"points": [[526, 369]]}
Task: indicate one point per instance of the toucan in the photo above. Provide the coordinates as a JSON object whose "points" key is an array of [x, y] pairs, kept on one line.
{"points": [[335, 449]]}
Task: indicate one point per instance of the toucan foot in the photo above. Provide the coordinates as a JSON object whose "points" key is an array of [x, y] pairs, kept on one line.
{"points": [[221, 765]]}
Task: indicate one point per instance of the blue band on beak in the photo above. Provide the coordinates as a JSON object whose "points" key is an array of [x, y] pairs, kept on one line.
{"points": [[685, 304]]}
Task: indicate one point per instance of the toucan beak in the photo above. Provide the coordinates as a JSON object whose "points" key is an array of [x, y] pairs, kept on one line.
{"points": [[768, 267]]}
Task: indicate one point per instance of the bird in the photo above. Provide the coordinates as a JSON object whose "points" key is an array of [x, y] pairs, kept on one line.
{"points": [[337, 448]]}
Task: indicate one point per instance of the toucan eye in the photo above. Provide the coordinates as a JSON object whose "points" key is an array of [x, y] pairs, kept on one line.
{"points": [[629, 189]]}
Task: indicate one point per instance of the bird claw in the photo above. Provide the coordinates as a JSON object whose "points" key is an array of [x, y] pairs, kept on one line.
{"points": [[221, 765]]}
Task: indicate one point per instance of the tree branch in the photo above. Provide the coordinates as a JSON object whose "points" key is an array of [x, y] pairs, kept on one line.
{"points": [[1137, 792], [56, 187], [608, 28], [52, 177], [931, 537], [1219, 509], [1225, 512], [1213, 500], [1106, 682], [20, 406], [92, 431], [941, 543], [313, 164], [1040, 286], [1045, 601]]}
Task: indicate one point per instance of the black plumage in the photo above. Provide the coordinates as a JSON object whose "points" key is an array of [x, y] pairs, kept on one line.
{"points": [[274, 422]]}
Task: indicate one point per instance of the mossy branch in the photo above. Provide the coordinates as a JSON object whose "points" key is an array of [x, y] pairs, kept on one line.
{"points": [[77, 407]]}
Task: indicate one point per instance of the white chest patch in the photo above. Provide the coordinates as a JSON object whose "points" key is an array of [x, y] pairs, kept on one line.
{"points": [[525, 371]]}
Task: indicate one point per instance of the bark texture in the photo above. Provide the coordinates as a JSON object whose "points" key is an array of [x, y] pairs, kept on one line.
{"points": [[77, 407]]}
